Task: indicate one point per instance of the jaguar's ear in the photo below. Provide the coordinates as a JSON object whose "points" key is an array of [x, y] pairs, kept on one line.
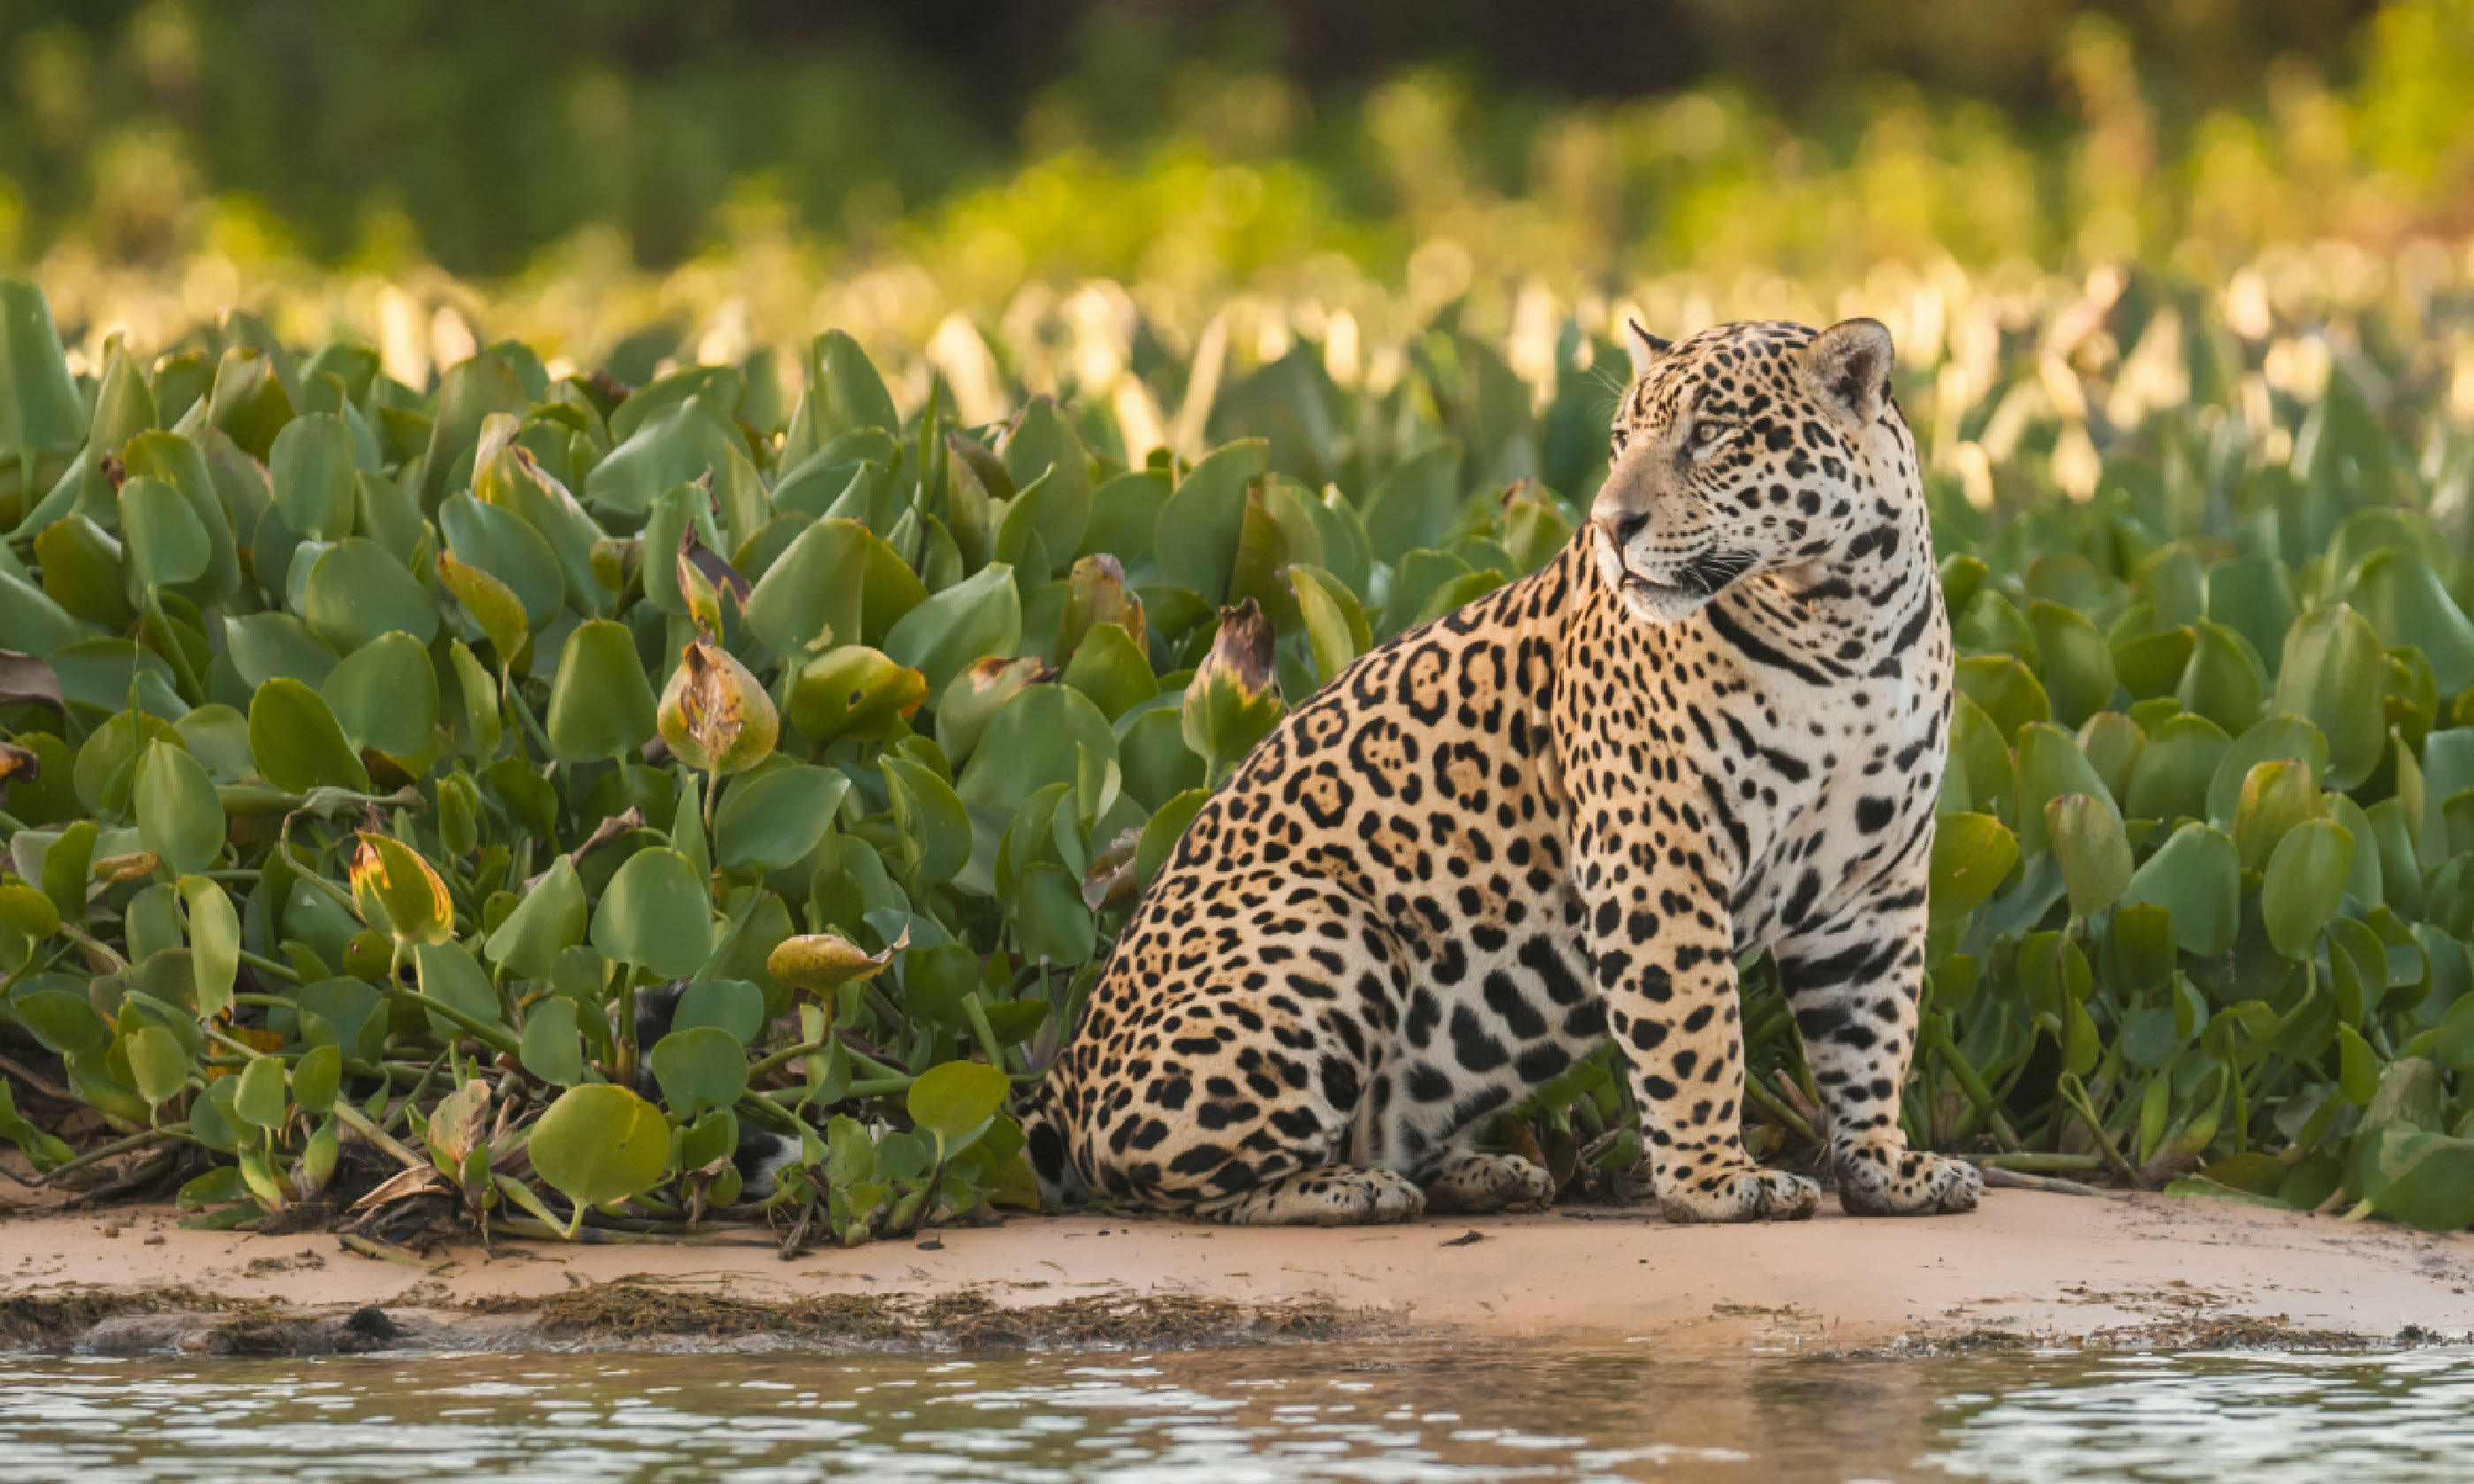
{"points": [[1849, 365], [1647, 350]]}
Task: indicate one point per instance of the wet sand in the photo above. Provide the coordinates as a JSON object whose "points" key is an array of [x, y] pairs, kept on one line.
{"points": [[2028, 1267]]}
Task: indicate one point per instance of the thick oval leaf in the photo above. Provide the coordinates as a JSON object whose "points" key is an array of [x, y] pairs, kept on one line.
{"points": [[357, 590], [2304, 883], [1971, 856], [656, 914], [2196, 876], [977, 617], [311, 466], [2094, 852], [699, 1069], [385, 696], [600, 1143], [956, 1100], [1035, 739], [1196, 540], [298, 740], [774, 819], [178, 817], [733, 1006], [812, 591], [2333, 675], [548, 920], [601, 705], [552, 1048]]}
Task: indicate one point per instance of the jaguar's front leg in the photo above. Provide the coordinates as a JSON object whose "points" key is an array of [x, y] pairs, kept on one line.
{"points": [[1662, 945], [1854, 980]]}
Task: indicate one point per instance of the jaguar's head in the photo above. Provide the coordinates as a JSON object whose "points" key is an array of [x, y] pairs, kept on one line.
{"points": [[1747, 448]]}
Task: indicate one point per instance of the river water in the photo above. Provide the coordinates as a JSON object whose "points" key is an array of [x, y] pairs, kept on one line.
{"points": [[1359, 1412]]}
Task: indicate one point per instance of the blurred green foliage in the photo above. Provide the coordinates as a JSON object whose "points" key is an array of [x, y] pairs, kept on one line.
{"points": [[1633, 136]]}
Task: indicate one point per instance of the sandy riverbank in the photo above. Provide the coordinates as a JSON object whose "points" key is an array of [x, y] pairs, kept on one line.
{"points": [[2029, 1265]]}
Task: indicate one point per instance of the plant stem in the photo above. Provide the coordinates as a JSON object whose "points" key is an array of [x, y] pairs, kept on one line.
{"points": [[271, 969], [1778, 1112], [117, 1146], [2067, 1085], [350, 1117], [1938, 1033]]}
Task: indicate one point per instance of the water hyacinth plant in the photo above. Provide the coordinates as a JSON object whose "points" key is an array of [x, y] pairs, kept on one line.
{"points": [[371, 746]]}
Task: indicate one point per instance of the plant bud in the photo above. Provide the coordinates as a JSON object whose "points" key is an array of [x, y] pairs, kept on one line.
{"points": [[715, 715], [1233, 700]]}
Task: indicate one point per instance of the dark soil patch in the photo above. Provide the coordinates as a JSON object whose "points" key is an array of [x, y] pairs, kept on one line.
{"points": [[963, 1321], [54, 1317]]}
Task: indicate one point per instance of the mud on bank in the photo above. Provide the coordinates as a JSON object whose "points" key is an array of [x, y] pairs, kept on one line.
{"points": [[2028, 1269]]}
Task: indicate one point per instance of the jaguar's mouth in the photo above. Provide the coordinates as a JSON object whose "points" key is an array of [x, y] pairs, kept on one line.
{"points": [[1675, 593]]}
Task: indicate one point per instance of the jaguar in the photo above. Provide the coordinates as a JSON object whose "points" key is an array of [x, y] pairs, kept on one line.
{"points": [[1714, 722]]}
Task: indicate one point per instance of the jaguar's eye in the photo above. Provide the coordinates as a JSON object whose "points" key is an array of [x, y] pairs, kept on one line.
{"points": [[1615, 440], [1704, 434]]}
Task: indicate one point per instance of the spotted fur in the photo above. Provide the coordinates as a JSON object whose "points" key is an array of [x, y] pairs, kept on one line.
{"points": [[1716, 721]]}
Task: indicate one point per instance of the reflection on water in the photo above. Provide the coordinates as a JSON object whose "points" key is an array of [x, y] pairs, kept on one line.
{"points": [[1362, 1413]]}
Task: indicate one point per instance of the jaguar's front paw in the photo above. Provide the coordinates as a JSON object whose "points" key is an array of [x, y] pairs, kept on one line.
{"points": [[1741, 1194], [1878, 1180]]}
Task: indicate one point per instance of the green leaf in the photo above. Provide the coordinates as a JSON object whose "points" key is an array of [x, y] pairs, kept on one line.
{"points": [[956, 1100], [449, 975], [2333, 675], [2275, 797], [931, 817], [699, 1069], [1035, 739], [2304, 882], [263, 646], [2078, 667], [384, 694], [980, 615], [774, 819], [600, 1143], [655, 915], [857, 692], [2196, 876], [553, 1047], [297, 742], [1041, 443], [1971, 853], [2406, 604], [1196, 541], [2224, 682], [2171, 778], [732, 1006], [1054, 921], [315, 1079], [214, 944], [843, 392], [259, 1101], [1336, 628], [40, 407], [1413, 506], [167, 542], [518, 558], [601, 705], [2007, 691], [178, 817], [814, 590], [2095, 854], [157, 1062], [312, 465], [2278, 736], [398, 892], [357, 590], [2421, 1179]]}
